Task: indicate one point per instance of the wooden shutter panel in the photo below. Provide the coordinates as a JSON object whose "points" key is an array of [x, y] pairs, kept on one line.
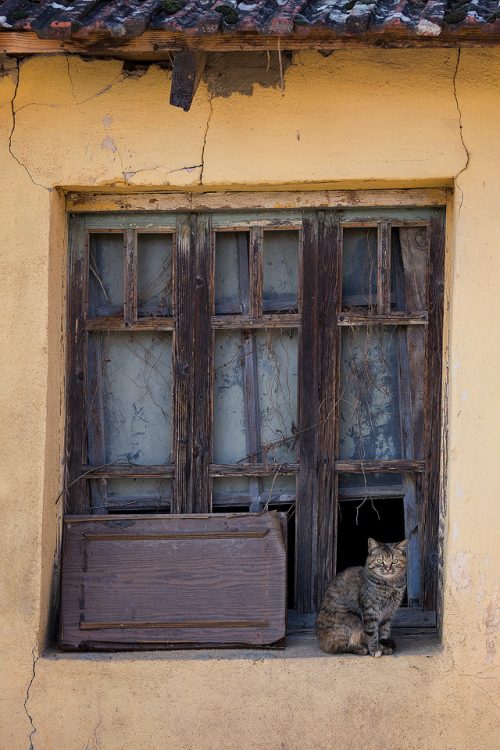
{"points": [[172, 581]]}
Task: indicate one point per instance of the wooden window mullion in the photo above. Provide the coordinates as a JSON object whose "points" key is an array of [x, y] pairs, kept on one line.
{"points": [[429, 518], [383, 269], [255, 257], [130, 277], [329, 300], [307, 486], [78, 499], [183, 364], [202, 367]]}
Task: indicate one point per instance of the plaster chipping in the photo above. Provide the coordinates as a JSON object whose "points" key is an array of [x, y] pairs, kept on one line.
{"points": [[460, 125]]}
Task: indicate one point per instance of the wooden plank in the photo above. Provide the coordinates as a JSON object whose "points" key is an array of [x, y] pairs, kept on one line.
{"points": [[154, 45], [199, 579], [202, 368], [256, 263], [266, 321], [110, 471], [362, 466], [374, 491], [329, 301], [308, 451], [187, 70], [130, 277], [76, 494], [95, 422], [383, 269], [430, 510], [408, 415], [273, 200], [414, 619], [255, 470], [184, 288], [116, 323], [394, 318]]}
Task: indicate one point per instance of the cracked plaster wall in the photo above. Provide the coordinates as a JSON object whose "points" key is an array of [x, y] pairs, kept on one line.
{"points": [[408, 117]]}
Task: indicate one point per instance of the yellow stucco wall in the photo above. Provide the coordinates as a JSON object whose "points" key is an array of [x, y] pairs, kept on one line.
{"points": [[385, 118]]}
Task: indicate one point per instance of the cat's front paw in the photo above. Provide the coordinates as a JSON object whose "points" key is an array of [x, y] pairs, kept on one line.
{"points": [[376, 652], [386, 650]]}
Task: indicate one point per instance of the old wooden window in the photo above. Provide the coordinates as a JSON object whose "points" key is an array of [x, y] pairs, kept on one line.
{"points": [[264, 360]]}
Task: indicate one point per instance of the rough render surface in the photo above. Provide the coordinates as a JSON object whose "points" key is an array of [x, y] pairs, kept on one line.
{"points": [[376, 118]]}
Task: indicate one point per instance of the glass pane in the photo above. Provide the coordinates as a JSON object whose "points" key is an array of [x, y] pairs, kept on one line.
{"points": [[278, 489], [154, 274], [130, 400], [369, 425], [277, 366], [230, 491], [359, 267], [105, 274], [231, 273], [260, 369], [129, 494], [281, 271], [229, 437], [368, 485], [409, 259]]}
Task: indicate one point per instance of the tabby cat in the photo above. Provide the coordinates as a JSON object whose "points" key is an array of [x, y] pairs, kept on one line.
{"points": [[359, 604]]}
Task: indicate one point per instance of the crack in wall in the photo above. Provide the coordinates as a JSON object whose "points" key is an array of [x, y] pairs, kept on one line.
{"points": [[12, 131], [460, 125], [202, 158], [27, 698]]}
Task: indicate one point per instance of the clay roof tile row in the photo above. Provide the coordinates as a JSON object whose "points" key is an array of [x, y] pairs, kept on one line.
{"points": [[130, 18]]}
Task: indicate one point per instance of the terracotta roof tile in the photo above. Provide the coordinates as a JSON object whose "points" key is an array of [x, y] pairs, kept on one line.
{"points": [[130, 18]]}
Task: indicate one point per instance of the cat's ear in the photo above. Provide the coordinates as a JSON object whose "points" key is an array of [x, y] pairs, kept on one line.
{"points": [[401, 546], [372, 545]]}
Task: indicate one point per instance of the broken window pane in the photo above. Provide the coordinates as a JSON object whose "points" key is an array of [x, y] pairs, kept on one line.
{"points": [[231, 273], [409, 259], [106, 274], [281, 271], [359, 267], [154, 275], [130, 398], [369, 424]]}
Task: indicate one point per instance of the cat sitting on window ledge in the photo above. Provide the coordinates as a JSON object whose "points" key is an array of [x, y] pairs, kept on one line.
{"points": [[359, 604]]}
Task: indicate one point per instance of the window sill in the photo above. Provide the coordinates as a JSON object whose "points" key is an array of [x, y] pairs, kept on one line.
{"points": [[300, 646]]}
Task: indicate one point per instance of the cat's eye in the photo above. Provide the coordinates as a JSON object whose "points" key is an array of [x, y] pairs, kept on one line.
{"points": [[380, 561], [395, 562]]}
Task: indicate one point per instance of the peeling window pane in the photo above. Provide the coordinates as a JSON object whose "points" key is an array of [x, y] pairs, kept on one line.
{"points": [[359, 267], [231, 273], [369, 398], [154, 275], [409, 259], [229, 402], [277, 358], [136, 388], [105, 274], [255, 372], [281, 269]]}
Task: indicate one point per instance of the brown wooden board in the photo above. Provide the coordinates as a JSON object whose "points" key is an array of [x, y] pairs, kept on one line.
{"points": [[134, 580]]}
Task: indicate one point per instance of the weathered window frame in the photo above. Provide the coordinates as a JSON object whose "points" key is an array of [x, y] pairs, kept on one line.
{"points": [[320, 227]]}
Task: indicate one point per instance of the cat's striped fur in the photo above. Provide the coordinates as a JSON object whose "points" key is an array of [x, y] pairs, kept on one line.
{"points": [[359, 604]]}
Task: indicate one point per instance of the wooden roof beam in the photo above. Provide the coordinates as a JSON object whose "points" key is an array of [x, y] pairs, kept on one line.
{"points": [[187, 71]]}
